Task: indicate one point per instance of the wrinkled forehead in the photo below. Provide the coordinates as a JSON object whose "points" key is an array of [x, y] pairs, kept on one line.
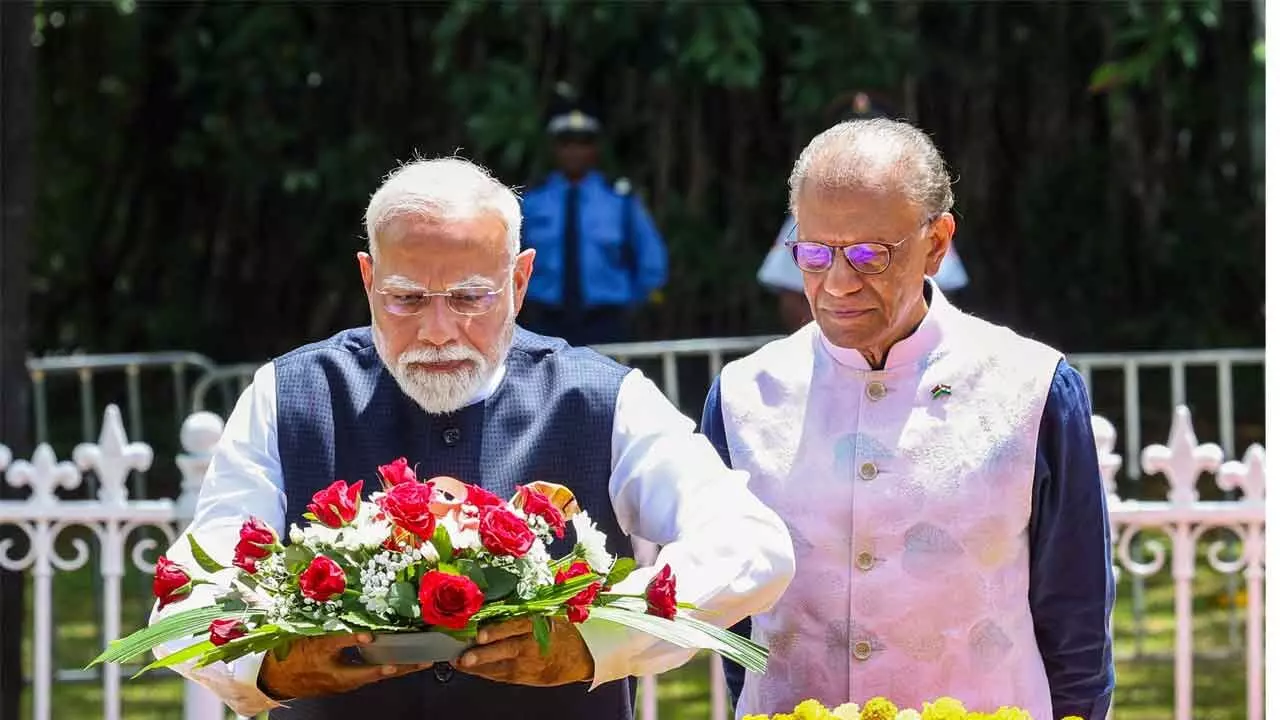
{"points": [[863, 211], [433, 252]]}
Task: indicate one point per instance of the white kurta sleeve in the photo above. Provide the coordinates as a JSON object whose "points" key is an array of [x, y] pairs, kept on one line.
{"points": [[244, 480], [730, 554]]}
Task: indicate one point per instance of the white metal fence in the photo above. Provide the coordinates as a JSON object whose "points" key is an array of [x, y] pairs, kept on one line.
{"points": [[161, 388], [112, 518]]}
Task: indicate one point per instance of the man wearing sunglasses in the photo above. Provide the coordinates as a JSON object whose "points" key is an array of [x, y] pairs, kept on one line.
{"points": [[443, 377], [937, 473], [779, 274]]}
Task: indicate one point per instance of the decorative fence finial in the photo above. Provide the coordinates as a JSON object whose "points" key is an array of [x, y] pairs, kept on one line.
{"points": [[200, 433], [44, 475], [112, 458], [1249, 477], [1104, 439], [1182, 460]]}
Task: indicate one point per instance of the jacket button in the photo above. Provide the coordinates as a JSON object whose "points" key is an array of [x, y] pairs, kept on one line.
{"points": [[868, 471], [876, 390], [865, 561], [443, 671], [862, 650], [451, 436]]}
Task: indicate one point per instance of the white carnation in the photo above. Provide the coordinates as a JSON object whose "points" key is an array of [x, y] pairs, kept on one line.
{"points": [[593, 543]]}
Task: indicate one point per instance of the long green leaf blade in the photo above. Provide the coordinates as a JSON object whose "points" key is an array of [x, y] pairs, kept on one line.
{"points": [[202, 558]]}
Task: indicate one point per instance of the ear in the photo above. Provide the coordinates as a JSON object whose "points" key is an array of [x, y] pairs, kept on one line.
{"points": [[366, 270], [520, 277], [940, 233]]}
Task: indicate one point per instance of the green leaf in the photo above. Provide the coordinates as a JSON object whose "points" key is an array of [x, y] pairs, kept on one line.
{"points": [[202, 558], [687, 632], [178, 625], [621, 569], [403, 600], [261, 639], [369, 621], [443, 544], [498, 584], [281, 651], [473, 570], [297, 557], [181, 656], [542, 633]]}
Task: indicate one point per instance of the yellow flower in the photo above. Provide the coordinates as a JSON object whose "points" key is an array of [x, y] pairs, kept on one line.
{"points": [[1013, 713], [944, 708], [878, 708], [847, 711], [908, 714], [783, 716], [812, 710], [1073, 717], [755, 717]]}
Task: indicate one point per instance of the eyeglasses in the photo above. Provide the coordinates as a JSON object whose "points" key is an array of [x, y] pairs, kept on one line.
{"points": [[868, 258], [468, 301]]}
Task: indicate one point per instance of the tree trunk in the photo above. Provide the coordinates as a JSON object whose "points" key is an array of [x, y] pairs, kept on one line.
{"points": [[17, 73]]}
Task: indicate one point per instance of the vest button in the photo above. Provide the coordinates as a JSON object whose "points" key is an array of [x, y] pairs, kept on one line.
{"points": [[862, 650], [443, 671], [876, 390], [451, 436], [865, 561], [868, 471]]}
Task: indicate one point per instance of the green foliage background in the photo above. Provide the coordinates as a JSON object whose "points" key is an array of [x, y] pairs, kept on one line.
{"points": [[202, 168]]}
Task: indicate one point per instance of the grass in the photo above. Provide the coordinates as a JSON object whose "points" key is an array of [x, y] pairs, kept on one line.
{"points": [[1144, 686]]}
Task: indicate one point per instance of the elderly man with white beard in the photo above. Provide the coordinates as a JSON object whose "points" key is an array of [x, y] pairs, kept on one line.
{"points": [[444, 378]]}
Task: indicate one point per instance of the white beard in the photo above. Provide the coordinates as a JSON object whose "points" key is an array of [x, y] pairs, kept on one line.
{"points": [[440, 393]]}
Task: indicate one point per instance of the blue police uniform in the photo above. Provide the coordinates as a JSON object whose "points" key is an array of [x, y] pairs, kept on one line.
{"points": [[599, 255]]}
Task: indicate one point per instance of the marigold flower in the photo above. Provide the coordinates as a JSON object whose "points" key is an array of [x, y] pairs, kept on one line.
{"points": [[878, 708]]}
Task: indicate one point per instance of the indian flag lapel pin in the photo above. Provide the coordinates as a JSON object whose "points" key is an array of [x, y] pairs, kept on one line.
{"points": [[940, 390]]}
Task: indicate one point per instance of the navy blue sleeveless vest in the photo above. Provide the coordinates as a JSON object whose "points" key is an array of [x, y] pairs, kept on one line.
{"points": [[341, 414]]}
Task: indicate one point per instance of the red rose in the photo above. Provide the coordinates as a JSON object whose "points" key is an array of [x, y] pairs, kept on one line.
{"points": [[396, 472], [258, 534], [171, 582], [336, 505], [409, 506], [246, 562], [661, 594], [222, 632], [482, 498], [502, 532], [448, 600], [257, 541], [322, 579], [535, 503], [578, 607]]}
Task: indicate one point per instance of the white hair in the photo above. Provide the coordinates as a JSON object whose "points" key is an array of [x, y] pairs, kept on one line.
{"points": [[442, 189], [875, 152]]}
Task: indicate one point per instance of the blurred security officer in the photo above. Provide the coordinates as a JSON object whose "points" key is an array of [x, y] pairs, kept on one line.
{"points": [[599, 256]]}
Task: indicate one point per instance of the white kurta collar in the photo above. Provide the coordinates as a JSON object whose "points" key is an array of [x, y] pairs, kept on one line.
{"points": [[907, 351]]}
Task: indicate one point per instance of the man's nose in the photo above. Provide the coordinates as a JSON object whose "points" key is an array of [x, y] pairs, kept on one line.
{"points": [[437, 325], [841, 278]]}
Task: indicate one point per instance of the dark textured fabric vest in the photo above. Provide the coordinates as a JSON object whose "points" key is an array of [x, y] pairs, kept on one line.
{"points": [[341, 414]]}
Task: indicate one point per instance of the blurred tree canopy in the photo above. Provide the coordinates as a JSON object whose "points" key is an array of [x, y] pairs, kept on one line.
{"points": [[203, 167]]}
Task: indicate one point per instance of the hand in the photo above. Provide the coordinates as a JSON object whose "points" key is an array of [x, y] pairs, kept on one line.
{"points": [[314, 666], [507, 652]]}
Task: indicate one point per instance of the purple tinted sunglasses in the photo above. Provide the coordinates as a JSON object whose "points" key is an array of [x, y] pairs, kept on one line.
{"points": [[868, 258]]}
